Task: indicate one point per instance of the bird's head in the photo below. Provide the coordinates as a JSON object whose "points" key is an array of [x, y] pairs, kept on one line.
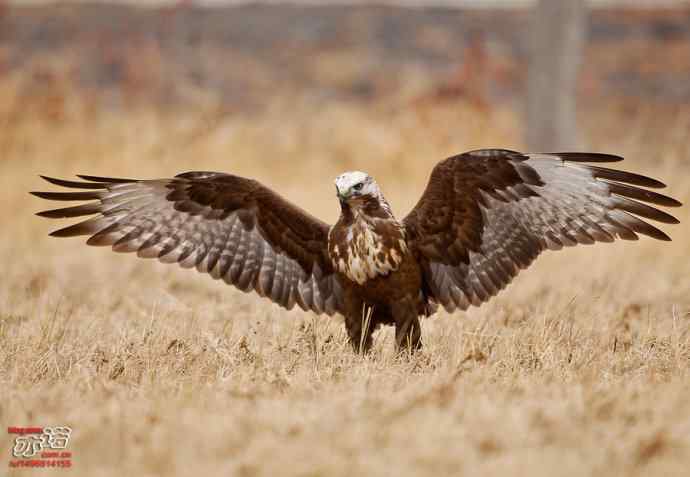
{"points": [[355, 187]]}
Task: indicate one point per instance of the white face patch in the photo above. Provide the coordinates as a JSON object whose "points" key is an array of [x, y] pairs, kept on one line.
{"points": [[348, 183]]}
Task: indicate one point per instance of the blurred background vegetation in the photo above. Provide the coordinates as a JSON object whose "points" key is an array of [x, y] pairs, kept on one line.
{"points": [[68, 60]]}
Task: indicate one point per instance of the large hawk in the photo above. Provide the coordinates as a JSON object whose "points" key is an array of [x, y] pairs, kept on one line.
{"points": [[483, 217]]}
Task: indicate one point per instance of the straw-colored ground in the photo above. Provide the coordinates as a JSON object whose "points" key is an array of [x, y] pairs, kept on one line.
{"points": [[580, 368]]}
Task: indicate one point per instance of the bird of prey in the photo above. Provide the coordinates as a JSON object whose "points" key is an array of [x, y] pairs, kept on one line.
{"points": [[484, 216]]}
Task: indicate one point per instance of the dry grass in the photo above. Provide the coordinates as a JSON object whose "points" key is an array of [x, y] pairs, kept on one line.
{"points": [[579, 368]]}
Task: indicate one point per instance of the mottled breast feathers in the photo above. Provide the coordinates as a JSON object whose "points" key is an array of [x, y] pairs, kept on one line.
{"points": [[367, 242]]}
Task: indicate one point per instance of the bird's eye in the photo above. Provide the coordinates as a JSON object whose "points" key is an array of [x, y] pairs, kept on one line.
{"points": [[358, 186]]}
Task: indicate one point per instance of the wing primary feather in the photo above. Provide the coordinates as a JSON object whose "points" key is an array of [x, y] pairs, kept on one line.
{"points": [[87, 227], [642, 227], [587, 157], [74, 184], [63, 196], [643, 210], [109, 180], [77, 211], [626, 177], [642, 194]]}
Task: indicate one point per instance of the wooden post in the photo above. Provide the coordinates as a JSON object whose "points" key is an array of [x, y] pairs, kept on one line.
{"points": [[558, 33]]}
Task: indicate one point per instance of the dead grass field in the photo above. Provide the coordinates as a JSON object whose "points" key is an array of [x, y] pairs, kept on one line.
{"points": [[580, 368]]}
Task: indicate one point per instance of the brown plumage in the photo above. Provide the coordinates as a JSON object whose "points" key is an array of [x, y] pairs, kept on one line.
{"points": [[483, 217]]}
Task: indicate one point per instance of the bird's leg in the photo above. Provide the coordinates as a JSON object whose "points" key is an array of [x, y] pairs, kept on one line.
{"points": [[360, 328], [408, 332]]}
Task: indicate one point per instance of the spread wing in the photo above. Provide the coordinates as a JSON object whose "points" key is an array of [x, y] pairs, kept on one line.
{"points": [[487, 214], [227, 226]]}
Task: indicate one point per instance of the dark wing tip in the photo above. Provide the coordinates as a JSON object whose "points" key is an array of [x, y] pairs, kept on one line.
{"points": [[660, 199], [595, 157], [642, 195], [109, 180], [49, 214], [88, 195], [649, 182], [65, 232], [73, 184], [645, 228], [625, 177], [49, 195], [587, 157], [58, 233], [653, 232], [78, 211]]}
